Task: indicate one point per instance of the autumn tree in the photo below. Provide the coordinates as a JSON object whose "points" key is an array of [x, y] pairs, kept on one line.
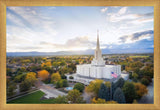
{"points": [[108, 84], [55, 77], [31, 77], [141, 90], [43, 75], [111, 102], [74, 96], [48, 64], [98, 101], [94, 86]]}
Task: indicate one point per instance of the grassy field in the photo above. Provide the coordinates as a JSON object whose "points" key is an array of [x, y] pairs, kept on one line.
{"points": [[33, 98], [138, 56]]}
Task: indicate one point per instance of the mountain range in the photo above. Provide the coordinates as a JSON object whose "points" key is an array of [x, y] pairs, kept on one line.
{"points": [[85, 52]]}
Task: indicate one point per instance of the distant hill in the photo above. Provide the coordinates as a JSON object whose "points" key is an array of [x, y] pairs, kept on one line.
{"points": [[86, 52]]}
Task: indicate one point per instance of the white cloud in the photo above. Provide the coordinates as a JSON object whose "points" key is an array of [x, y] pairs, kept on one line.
{"points": [[122, 10], [103, 10]]}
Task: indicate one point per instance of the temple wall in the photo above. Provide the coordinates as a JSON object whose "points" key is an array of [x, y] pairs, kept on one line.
{"points": [[98, 72]]}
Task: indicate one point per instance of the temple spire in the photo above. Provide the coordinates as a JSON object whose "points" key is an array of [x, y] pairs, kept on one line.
{"points": [[98, 59], [98, 47]]}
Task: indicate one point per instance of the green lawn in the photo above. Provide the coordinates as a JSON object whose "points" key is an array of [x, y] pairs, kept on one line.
{"points": [[33, 98], [138, 56]]}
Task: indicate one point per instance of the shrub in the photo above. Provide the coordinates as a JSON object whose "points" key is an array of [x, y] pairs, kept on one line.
{"points": [[71, 77]]}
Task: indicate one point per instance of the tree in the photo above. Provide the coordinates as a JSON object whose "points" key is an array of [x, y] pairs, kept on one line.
{"points": [[31, 77], [94, 86], [135, 101], [20, 78], [108, 84], [25, 85], [104, 92], [111, 102], [43, 74], [61, 83], [47, 64], [119, 96], [129, 91], [135, 76], [74, 96], [79, 86], [65, 82], [11, 86], [61, 100], [141, 90], [145, 81], [120, 82], [98, 101], [55, 77]]}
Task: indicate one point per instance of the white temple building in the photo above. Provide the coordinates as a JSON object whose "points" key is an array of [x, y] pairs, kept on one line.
{"points": [[96, 70]]}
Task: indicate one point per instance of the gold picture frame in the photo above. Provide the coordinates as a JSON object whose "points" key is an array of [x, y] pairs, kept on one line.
{"points": [[5, 3]]}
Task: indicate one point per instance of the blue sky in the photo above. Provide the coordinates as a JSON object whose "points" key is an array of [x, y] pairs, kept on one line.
{"points": [[52, 29]]}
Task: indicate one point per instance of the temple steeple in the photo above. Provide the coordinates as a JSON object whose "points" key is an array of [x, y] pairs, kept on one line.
{"points": [[98, 40], [98, 60]]}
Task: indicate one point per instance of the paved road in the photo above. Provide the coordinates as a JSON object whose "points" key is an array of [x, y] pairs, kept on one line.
{"points": [[149, 97], [50, 91]]}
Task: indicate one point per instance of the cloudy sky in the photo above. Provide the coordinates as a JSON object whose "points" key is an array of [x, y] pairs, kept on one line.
{"points": [[52, 29]]}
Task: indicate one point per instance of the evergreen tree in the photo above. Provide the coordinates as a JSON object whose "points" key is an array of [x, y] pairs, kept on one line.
{"points": [[119, 96], [103, 92], [120, 82]]}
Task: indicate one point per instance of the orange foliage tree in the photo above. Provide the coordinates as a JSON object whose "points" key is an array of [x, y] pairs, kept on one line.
{"points": [[141, 90], [43, 74]]}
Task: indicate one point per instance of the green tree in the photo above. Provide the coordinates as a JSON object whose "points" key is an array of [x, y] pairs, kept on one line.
{"points": [[145, 81], [120, 82], [65, 82], [59, 84], [79, 86], [103, 92], [20, 78], [11, 86], [25, 85], [61, 100], [119, 96], [129, 91], [74, 96]]}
